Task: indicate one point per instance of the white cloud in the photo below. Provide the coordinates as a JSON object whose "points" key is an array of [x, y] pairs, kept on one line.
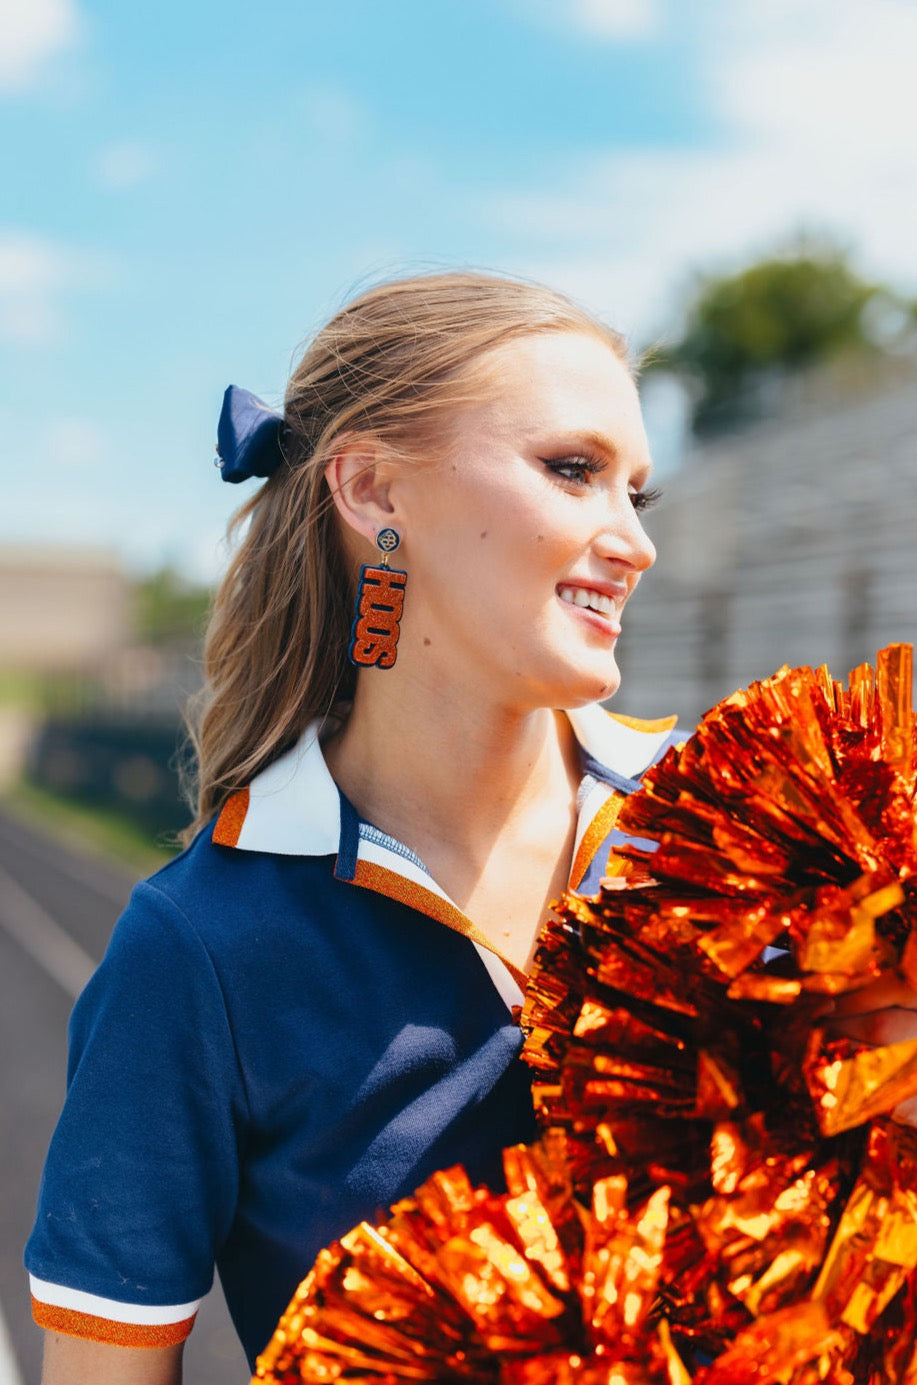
{"points": [[28, 321], [647, 217], [28, 264], [76, 442], [836, 76], [31, 33], [32, 273], [822, 97], [609, 21], [615, 19], [124, 165], [35, 276], [818, 107], [334, 115]]}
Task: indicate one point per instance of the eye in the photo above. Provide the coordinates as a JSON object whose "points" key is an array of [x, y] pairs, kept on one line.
{"points": [[579, 469], [645, 500]]}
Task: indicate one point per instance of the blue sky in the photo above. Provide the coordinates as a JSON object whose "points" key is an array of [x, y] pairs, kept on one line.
{"points": [[189, 189]]}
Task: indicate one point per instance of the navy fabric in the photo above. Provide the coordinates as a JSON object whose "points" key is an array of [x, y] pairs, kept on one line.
{"points": [[592, 880], [248, 436], [621, 782], [267, 1054], [249, 1081], [346, 865]]}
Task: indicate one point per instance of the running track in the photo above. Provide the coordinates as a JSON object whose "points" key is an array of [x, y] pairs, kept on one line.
{"points": [[57, 909]]}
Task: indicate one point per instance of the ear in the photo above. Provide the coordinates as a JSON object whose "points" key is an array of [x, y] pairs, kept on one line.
{"points": [[359, 478]]}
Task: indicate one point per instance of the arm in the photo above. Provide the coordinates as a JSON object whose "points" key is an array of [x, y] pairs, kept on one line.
{"points": [[74, 1361], [140, 1184]]}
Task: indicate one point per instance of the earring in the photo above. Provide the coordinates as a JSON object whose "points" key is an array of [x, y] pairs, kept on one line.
{"points": [[380, 602]]}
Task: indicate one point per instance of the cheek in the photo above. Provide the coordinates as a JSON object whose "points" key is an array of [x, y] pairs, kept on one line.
{"points": [[490, 524], [505, 543]]}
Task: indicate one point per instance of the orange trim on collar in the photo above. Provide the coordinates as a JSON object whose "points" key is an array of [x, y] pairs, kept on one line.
{"points": [[639, 724], [228, 825], [374, 877], [594, 835], [119, 1334]]}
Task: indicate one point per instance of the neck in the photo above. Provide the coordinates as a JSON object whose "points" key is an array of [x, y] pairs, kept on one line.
{"points": [[417, 760], [483, 792]]}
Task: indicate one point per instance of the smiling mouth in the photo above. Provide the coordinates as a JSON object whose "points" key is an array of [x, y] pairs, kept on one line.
{"points": [[589, 600]]}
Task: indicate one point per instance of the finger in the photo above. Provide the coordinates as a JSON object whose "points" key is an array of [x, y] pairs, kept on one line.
{"points": [[879, 1027], [905, 1113], [888, 991]]}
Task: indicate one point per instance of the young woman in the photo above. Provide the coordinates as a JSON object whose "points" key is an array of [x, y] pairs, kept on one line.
{"points": [[313, 1008]]}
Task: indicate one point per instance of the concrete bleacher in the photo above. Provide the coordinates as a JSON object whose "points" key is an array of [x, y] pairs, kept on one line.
{"points": [[790, 541]]}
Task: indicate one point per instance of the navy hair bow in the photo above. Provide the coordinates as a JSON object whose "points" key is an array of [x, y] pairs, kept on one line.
{"points": [[248, 436]]}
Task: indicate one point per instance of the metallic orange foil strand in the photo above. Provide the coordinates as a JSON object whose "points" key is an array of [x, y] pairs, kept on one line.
{"points": [[719, 1195]]}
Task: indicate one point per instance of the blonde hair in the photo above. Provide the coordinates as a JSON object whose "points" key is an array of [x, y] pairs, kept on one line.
{"points": [[395, 364]]}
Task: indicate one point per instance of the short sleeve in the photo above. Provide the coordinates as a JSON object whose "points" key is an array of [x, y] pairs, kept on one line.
{"points": [[140, 1185]]}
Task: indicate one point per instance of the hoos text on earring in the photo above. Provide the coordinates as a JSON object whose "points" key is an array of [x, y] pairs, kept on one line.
{"points": [[375, 630]]}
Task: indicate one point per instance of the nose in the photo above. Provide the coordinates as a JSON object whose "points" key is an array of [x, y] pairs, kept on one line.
{"points": [[624, 540]]}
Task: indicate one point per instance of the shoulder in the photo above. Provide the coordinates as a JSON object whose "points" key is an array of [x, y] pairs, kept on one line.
{"points": [[215, 890], [204, 926]]}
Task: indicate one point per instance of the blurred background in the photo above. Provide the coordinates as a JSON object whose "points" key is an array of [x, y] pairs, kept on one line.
{"points": [[189, 190]]}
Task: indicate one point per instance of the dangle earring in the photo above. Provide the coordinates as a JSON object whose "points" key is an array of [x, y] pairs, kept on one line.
{"points": [[380, 602]]}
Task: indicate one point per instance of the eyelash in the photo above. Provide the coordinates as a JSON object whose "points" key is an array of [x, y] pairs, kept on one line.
{"points": [[579, 465], [582, 467], [645, 500]]}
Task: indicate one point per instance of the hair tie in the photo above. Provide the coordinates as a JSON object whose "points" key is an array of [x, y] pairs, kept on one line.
{"points": [[248, 436]]}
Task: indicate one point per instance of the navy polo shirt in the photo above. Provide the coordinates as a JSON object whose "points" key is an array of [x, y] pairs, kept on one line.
{"points": [[292, 1027]]}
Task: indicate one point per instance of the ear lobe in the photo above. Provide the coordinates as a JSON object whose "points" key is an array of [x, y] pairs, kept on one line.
{"points": [[358, 479]]}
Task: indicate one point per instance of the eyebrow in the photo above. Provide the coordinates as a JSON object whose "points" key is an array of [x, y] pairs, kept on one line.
{"points": [[598, 442], [573, 438]]}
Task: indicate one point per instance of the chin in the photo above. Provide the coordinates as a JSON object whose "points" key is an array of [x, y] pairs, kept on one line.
{"points": [[586, 689]]}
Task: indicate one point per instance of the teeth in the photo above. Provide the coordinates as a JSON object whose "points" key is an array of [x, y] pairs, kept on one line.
{"points": [[582, 596]]}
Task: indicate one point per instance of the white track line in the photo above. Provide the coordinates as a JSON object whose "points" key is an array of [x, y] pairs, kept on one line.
{"points": [[22, 835], [9, 1371], [44, 940], [67, 964]]}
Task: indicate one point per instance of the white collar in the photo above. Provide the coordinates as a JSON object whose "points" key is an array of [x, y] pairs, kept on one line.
{"points": [[293, 808]]}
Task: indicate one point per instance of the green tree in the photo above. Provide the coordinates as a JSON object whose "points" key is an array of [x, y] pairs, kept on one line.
{"points": [[169, 609], [782, 314]]}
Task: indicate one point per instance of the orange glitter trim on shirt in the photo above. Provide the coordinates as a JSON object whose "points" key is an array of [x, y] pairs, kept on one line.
{"points": [[232, 816], [638, 723], [594, 835], [118, 1334], [394, 886]]}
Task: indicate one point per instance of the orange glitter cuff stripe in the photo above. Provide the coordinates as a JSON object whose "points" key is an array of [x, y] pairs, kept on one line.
{"points": [[387, 882], [594, 835], [119, 1334], [232, 816]]}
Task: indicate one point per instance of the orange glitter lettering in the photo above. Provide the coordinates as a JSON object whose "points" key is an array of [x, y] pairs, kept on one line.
{"points": [[376, 626]]}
